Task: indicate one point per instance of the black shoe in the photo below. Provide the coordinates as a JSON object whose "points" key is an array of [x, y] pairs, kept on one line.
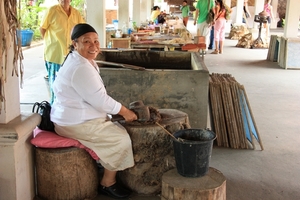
{"points": [[115, 191]]}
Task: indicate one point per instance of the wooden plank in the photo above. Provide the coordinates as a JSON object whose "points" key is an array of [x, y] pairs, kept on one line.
{"points": [[214, 111], [272, 48], [241, 133], [126, 66], [230, 119], [220, 111]]}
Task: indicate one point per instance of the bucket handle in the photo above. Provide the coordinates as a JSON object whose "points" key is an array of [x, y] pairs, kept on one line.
{"points": [[178, 139]]}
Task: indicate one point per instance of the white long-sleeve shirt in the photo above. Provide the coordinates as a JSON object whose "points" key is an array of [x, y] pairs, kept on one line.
{"points": [[80, 93]]}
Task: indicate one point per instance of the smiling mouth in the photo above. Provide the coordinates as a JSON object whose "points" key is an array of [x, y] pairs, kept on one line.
{"points": [[92, 52]]}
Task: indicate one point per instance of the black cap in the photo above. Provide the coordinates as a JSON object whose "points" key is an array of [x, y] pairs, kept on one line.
{"points": [[81, 29]]}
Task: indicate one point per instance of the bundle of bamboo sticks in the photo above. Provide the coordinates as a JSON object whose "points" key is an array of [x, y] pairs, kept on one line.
{"points": [[231, 115]]}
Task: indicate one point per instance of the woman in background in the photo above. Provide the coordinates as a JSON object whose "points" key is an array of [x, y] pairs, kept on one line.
{"points": [[269, 10], [55, 29], [185, 9], [246, 13], [203, 28], [219, 26], [154, 15]]}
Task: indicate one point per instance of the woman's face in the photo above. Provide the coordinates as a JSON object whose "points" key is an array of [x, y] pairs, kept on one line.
{"points": [[64, 2], [87, 45]]}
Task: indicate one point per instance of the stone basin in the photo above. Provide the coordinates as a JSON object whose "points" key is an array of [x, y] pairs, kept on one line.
{"points": [[171, 80]]}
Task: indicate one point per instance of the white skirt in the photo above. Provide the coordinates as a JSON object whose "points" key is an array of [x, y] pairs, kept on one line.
{"points": [[109, 140]]}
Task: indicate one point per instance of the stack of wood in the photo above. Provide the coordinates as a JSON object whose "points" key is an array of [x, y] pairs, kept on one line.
{"points": [[238, 31], [231, 116], [245, 41], [260, 44]]}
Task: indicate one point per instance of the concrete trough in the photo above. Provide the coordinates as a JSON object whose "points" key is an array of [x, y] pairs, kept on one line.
{"points": [[171, 80]]}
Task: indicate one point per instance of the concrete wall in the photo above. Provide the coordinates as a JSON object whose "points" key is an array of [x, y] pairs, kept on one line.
{"points": [[174, 80], [16, 155]]}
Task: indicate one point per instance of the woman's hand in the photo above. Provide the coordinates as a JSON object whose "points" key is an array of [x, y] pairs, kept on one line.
{"points": [[128, 115]]}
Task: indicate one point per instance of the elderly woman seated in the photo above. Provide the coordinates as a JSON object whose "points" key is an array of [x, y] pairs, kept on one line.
{"points": [[81, 106]]}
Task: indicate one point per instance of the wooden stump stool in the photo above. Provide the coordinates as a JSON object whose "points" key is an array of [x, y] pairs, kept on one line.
{"points": [[153, 152], [212, 186], [65, 174]]}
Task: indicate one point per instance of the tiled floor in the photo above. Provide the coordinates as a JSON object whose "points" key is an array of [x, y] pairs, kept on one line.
{"points": [[271, 174]]}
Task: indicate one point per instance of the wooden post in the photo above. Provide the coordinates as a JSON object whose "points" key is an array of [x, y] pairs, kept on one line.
{"points": [[65, 173], [212, 186]]}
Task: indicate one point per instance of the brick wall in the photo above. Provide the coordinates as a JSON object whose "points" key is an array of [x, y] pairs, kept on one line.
{"points": [[111, 15]]}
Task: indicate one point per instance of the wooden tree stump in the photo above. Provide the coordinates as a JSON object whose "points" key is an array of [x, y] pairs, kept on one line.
{"points": [[65, 173], [212, 186], [153, 152]]}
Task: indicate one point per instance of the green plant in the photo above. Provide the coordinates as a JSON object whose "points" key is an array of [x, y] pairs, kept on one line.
{"points": [[30, 17], [79, 5]]}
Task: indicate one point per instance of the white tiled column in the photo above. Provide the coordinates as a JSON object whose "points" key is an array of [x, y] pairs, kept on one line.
{"points": [[274, 6], [123, 13], [144, 10], [259, 6], [96, 17], [136, 11], [291, 19], [239, 11]]}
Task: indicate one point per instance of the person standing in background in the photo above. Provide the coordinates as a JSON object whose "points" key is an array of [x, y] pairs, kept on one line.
{"points": [[219, 26], [269, 10], [202, 9], [161, 18], [185, 9], [56, 29], [154, 15], [211, 38], [246, 13]]}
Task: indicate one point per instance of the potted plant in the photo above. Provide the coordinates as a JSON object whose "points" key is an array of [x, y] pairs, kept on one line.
{"points": [[29, 21]]}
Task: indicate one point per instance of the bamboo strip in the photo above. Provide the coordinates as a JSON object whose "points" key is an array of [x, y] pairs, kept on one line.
{"points": [[254, 123], [238, 115], [214, 112], [247, 117], [226, 104], [222, 114]]}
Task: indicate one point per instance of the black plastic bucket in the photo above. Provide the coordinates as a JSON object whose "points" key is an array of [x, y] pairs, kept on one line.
{"points": [[193, 151]]}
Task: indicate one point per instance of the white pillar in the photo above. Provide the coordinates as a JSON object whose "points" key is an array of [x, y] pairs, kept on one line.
{"points": [[16, 155], [136, 12], [274, 6], [239, 11], [10, 107], [259, 6], [291, 19], [144, 12], [149, 6], [123, 13], [96, 17]]}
